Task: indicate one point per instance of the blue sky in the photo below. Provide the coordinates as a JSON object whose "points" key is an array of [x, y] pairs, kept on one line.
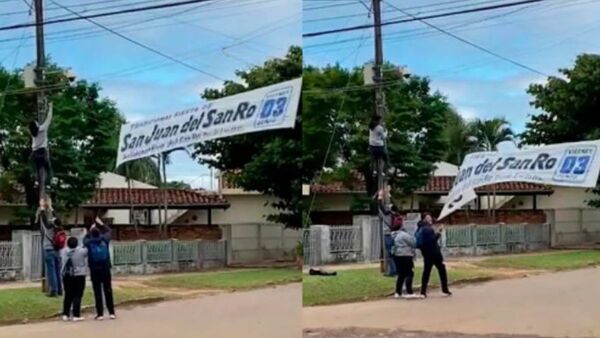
{"points": [[218, 36], [544, 36]]}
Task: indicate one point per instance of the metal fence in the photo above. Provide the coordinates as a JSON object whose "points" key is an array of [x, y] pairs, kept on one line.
{"points": [[10, 256], [496, 235], [362, 243], [127, 256], [345, 239], [168, 251]]}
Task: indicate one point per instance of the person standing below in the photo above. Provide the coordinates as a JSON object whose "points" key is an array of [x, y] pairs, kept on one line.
{"points": [[428, 242], [74, 270], [40, 154], [404, 255], [386, 214], [52, 243], [97, 242]]}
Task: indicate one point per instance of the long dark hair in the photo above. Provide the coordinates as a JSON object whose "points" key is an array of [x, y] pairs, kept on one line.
{"points": [[375, 121], [34, 129]]}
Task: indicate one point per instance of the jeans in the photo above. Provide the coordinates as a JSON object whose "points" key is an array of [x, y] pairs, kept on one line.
{"points": [[102, 283], [405, 266], [53, 271], [74, 287], [430, 261], [391, 266]]}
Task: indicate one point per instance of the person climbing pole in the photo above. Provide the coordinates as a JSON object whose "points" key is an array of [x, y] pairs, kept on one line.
{"points": [[377, 144], [39, 153]]}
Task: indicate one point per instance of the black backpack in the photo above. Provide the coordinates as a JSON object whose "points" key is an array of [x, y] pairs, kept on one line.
{"points": [[69, 269]]}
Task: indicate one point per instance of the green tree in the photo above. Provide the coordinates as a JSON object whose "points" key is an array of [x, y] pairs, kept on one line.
{"points": [[414, 121], [568, 107], [178, 185], [144, 170], [83, 137], [457, 133], [269, 162], [487, 134]]}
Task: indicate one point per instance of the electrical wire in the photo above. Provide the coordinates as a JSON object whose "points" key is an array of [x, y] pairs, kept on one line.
{"points": [[472, 44], [135, 42], [415, 18], [105, 14]]}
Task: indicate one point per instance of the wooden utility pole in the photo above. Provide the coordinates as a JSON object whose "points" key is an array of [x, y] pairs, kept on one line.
{"points": [[380, 111], [41, 105]]}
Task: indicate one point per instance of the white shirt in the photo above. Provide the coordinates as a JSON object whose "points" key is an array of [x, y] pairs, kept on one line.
{"points": [[41, 140]]}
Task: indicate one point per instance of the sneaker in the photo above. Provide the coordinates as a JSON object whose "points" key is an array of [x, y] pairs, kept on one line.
{"points": [[397, 296], [78, 319], [423, 295], [409, 296], [99, 318], [447, 293], [65, 318], [113, 317], [52, 295]]}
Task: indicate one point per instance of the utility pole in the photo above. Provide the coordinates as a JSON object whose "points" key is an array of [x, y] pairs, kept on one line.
{"points": [[380, 111], [41, 103]]}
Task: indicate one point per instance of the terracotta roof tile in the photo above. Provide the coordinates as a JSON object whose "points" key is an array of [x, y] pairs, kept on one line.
{"points": [[122, 197], [437, 185]]}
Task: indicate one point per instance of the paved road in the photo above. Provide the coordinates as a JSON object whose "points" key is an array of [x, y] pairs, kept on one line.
{"points": [[267, 313], [374, 333], [554, 305]]}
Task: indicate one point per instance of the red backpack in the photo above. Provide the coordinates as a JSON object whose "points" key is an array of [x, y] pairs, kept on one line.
{"points": [[397, 222], [60, 240]]}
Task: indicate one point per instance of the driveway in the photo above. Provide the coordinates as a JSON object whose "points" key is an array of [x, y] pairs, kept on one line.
{"points": [[553, 305], [266, 313]]}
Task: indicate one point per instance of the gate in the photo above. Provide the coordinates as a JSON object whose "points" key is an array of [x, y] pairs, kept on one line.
{"points": [[36, 257]]}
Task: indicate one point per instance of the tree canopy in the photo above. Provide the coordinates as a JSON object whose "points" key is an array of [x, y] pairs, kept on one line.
{"points": [[336, 102], [568, 107], [269, 162], [83, 137]]}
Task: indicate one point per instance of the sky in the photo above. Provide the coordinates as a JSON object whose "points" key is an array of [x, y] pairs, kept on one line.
{"points": [[543, 36], [218, 37]]}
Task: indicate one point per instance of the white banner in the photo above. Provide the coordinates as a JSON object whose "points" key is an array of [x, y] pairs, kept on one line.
{"points": [[567, 164], [271, 107]]}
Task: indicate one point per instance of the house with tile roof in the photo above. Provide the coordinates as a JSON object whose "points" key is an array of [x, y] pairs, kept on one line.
{"points": [[514, 202]]}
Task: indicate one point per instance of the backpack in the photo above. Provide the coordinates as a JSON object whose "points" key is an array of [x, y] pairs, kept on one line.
{"points": [[59, 240], [419, 237], [99, 252], [68, 269]]}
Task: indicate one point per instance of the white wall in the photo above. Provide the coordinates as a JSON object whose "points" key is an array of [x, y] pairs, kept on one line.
{"points": [[562, 198], [249, 208], [111, 180]]}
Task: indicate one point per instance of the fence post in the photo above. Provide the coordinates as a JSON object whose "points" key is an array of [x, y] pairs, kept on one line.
{"points": [[225, 244], [201, 255], [259, 241], [144, 250], [174, 258], [474, 238], [227, 231], [25, 239]]}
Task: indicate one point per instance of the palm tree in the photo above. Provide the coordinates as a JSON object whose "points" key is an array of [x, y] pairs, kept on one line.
{"points": [[457, 134], [486, 135]]}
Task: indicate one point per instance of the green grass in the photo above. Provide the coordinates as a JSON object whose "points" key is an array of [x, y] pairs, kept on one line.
{"points": [[30, 304], [546, 261], [230, 279], [365, 284]]}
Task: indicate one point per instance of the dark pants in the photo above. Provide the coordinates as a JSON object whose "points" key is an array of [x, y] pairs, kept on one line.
{"points": [[74, 287], [41, 162], [53, 276], [391, 266], [432, 260], [405, 266], [102, 282]]}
